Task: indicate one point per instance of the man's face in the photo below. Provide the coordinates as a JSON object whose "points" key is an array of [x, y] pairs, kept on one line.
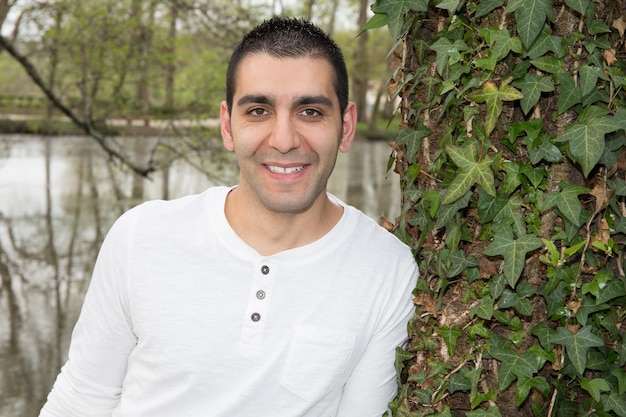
{"points": [[285, 128]]}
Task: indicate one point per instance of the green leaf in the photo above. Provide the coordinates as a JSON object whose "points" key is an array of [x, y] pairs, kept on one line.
{"points": [[504, 43], [447, 212], [569, 93], [449, 335], [489, 207], [512, 299], [545, 334], [412, 139], [493, 96], [615, 403], [530, 16], [579, 5], [484, 310], [487, 6], [595, 387], [448, 53], [577, 345], [566, 200], [586, 140], [514, 252], [546, 42], [588, 307], [449, 5], [547, 64], [378, 20], [613, 289], [532, 85], [492, 411], [396, 10], [525, 384], [471, 171], [513, 365], [588, 78], [543, 148]]}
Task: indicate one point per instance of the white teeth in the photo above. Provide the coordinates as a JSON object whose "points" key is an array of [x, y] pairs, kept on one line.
{"points": [[282, 170]]}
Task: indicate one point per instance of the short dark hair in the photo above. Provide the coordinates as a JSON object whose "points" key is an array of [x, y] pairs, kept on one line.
{"points": [[284, 37]]}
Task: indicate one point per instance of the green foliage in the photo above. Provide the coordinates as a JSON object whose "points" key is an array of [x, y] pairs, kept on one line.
{"points": [[512, 157]]}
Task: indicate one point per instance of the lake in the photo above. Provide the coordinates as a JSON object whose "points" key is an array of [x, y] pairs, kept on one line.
{"points": [[59, 196]]}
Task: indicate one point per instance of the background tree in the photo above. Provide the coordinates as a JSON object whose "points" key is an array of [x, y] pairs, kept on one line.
{"points": [[512, 156]]}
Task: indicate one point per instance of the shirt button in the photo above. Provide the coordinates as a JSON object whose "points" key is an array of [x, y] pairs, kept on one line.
{"points": [[265, 269], [260, 294], [255, 317]]}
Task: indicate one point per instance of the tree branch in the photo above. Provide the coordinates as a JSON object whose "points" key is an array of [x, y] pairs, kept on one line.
{"points": [[86, 125]]}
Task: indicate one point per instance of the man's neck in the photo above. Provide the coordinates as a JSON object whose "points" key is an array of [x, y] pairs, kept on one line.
{"points": [[270, 233]]}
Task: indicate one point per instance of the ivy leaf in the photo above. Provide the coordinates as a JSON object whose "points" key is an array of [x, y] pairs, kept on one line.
{"points": [[566, 200], [504, 43], [545, 334], [493, 97], [525, 384], [492, 411], [588, 307], [615, 402], [530, 16], [489, 207], [378, 20], [511, 299], [471, 171], [543, 148], [532, 86], [514, 365], [412, 139], [449, 5], [447, 212], [613, 289], [450, 336], [547, 64], [511, 215], [588, 78], [580, 6], [544, 43], [395, 11], [569, 93], [514, 252], [447, 53], [577, 345], [484, 310], [594, 387], [586, 140], [487, 6]]}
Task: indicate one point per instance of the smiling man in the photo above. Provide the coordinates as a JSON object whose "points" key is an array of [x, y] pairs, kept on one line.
{"points": [[268, 298]]}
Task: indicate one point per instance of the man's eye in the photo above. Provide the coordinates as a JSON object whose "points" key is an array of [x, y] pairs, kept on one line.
{"points": [[310, 113], [258, 112]]}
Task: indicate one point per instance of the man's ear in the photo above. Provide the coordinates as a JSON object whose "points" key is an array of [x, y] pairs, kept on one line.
{"points": [[227, 136], [349, 127]]}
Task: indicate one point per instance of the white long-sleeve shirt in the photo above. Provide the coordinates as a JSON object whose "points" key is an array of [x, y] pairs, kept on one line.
{"points": [[183, 318]]}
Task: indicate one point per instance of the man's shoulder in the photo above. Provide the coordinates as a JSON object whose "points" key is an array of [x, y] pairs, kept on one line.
{"points": [[175, 212]]}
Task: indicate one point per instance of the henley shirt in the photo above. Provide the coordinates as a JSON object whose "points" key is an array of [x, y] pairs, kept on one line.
{"points": [[183, 318]]}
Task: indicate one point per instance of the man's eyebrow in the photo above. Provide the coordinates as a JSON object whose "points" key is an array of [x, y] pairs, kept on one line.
{"points": [[255, 99], [320, 99], [300, 101]]}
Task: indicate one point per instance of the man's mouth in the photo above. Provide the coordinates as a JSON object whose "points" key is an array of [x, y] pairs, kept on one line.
{"points": [[284, 170]]}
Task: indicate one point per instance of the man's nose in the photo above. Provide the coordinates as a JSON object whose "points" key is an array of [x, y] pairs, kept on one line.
{"points": [[284, 136]]}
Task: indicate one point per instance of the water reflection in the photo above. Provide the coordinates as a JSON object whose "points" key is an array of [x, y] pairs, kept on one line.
{"points": [[59, 196]]}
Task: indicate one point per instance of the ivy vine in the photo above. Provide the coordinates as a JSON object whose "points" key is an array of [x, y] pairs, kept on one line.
{"points": [[512, 159]]}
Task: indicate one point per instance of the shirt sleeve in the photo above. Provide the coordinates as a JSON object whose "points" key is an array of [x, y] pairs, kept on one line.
{"points": [[90, 382], [373, 383]]}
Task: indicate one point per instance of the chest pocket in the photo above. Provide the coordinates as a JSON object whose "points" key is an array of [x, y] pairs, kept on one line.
{"points": [[316, 361]]}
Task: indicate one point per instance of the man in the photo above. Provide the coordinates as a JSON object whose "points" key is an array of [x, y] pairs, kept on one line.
{"points": [[270, 298]]}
